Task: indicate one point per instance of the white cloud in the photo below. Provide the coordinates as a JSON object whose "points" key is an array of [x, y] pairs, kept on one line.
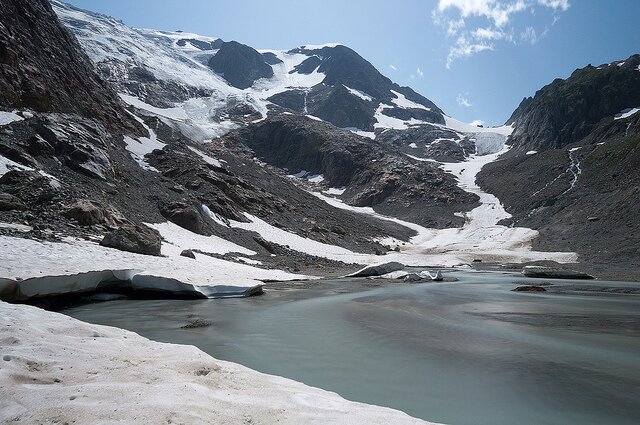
{"points": [[465, 48], [419, 72], [393, 67], [555, 4], [488, 34], [529, 35], [497, 11], [477, 123], [482, 25], [463, 101]]}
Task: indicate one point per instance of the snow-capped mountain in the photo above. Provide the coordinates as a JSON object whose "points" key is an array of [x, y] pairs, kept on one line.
{"points": [[234, 83]]}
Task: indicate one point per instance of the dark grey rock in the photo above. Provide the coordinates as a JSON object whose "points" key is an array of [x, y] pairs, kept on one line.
{"points": [[86, 213], [188, 253], [140, 239], [240, 64], [9, 203], [186, 216], [529, 288], [378, 269], [553, 273]]}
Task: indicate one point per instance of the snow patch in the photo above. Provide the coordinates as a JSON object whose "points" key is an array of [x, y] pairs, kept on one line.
{"points": [[532, 152], [295, 242], [402, 101], [142, 146], [625, 113], [456, 125], [206, 158], [335, 191], [9, 117], [360, 94]]}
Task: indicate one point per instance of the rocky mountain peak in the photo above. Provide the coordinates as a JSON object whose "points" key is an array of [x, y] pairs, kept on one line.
{"points": [[240, 64]]}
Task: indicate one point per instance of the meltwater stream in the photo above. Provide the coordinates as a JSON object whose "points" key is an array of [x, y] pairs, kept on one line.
{"points": [[465, 352]]}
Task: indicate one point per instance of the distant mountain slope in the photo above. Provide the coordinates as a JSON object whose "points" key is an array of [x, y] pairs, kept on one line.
{"points": [[574, 168], [164, 69], [366, 172], [566, 111]]}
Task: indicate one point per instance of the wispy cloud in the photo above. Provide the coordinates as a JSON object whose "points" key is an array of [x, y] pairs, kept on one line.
{"points": [[555, 4], [393, 67], [481, 25], [463, 101]]}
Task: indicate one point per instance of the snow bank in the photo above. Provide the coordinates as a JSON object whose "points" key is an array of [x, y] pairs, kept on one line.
{"points": [[33, 268], [296, 242], [59, 369]]}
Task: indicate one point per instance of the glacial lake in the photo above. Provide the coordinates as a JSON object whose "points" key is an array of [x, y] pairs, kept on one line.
{"points": [[469, 352]]}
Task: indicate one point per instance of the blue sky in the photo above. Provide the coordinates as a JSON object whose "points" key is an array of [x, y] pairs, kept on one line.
{"points": [[476, 59]]}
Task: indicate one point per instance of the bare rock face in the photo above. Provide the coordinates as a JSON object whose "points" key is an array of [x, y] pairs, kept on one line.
{"points": [[139, 239], [42, 67], [240, 65], [375, 174]]}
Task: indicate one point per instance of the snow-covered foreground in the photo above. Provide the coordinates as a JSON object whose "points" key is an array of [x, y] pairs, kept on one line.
{"points": [[56, 369]]}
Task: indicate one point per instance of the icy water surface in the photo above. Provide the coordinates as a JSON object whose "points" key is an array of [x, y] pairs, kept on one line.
{"points": [[466, 352]]}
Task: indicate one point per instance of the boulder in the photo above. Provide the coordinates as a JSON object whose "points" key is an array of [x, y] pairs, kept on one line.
{"points": [[9, 202], [552, 273], [188, 253], [378, 269], [139, 239], [85, 212], [529, 288], [186, 216]]}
